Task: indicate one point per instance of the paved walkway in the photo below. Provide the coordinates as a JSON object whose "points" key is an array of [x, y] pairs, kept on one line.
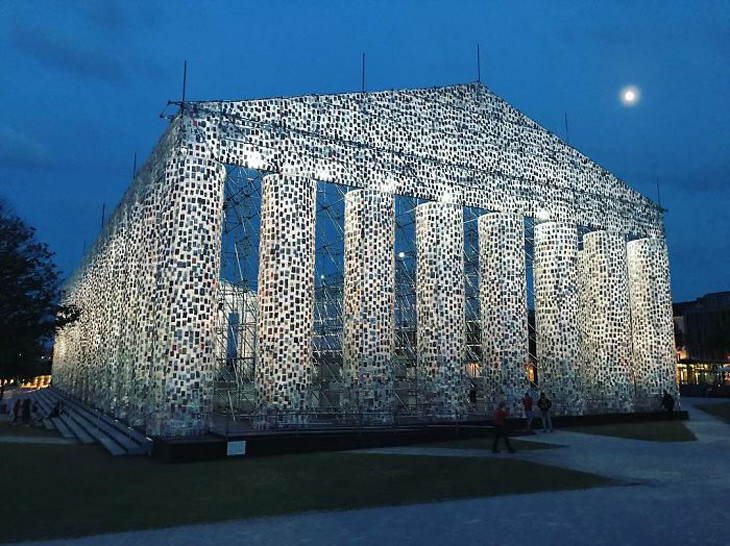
{"points": [[680, 496], [633, 461]]}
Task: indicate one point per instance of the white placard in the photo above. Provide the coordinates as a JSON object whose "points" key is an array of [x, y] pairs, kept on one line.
{"points": [[236, 448]]}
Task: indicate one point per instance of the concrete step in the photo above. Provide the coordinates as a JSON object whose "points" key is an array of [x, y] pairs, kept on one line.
{"points": [[96, 428], [111, 446], [80, 433], [40, 397], [122, 428], [63, 428], [111, 433], [45, 407], [79, 424]]}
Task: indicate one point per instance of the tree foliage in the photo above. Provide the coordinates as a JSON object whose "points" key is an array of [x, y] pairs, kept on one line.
{"points": [[29, 295]]}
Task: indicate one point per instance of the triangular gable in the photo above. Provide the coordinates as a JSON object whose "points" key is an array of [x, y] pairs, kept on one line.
{"points": [[458, 143]]}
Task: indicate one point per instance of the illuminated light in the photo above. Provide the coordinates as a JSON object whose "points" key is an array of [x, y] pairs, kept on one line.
{"points": [[448, 194], [255, 160], [543, 215], [321, 174], [401, 255], [630, 95], [388, 186], [473, 369]]}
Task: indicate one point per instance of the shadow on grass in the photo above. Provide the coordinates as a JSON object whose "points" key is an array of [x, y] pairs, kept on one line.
{"points": [[656, 431], [80, 490]]}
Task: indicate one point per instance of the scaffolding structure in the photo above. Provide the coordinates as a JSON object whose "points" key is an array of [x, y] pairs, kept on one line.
{"points": [[236, 328]]}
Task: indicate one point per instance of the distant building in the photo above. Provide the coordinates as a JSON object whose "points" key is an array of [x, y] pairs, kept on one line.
{"points": [[702, 333]]}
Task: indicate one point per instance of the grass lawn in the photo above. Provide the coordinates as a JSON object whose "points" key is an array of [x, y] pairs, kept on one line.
{"points": [[486, 444], [721, 411], [68, 491], [656, 431]]}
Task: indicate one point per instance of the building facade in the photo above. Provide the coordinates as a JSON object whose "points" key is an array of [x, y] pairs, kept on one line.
{"points": [[702, 331], [144, 349]]}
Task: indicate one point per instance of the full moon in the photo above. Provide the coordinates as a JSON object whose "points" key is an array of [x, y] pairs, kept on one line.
{"points": [[629, 95]]}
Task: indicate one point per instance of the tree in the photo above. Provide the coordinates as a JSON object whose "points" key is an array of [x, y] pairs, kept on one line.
{"points": [[29, 295]]}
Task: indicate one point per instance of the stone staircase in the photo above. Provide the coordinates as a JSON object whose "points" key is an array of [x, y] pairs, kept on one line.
{"points": [[90, 426]]}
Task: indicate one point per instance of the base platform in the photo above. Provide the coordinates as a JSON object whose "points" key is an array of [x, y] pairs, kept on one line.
{"points": [[267, 443]]}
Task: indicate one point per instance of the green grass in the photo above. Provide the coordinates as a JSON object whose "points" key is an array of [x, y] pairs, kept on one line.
{"points": [[486, 444], [69, 491], [656, 431], [720, 410]]}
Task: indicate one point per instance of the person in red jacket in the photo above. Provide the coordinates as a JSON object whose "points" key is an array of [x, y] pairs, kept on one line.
{"points": [[500, 428]]}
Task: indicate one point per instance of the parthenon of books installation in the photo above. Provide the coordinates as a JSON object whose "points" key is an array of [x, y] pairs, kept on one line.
{"points": [[145, 351]]}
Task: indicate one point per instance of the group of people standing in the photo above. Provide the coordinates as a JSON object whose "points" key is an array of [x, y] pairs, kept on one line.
{"points": [[28, 413], [23, 411], [544, 404]]}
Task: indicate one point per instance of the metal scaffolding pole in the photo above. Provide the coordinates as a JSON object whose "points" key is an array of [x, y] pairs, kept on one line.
{"points": [[236, 324]]}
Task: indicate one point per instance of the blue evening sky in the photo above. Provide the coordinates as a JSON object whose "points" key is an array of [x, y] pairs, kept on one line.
{"points": [[82, 84]]}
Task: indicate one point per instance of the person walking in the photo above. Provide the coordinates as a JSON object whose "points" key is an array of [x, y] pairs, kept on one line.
{"points": [[527, 403], [500, 428], [545, 404]]}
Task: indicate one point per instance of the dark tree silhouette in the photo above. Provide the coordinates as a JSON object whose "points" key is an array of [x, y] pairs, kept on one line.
{"points": [[29, 295]]}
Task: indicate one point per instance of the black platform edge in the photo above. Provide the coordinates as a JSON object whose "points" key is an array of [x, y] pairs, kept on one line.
{"points": [[262, 444]]}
